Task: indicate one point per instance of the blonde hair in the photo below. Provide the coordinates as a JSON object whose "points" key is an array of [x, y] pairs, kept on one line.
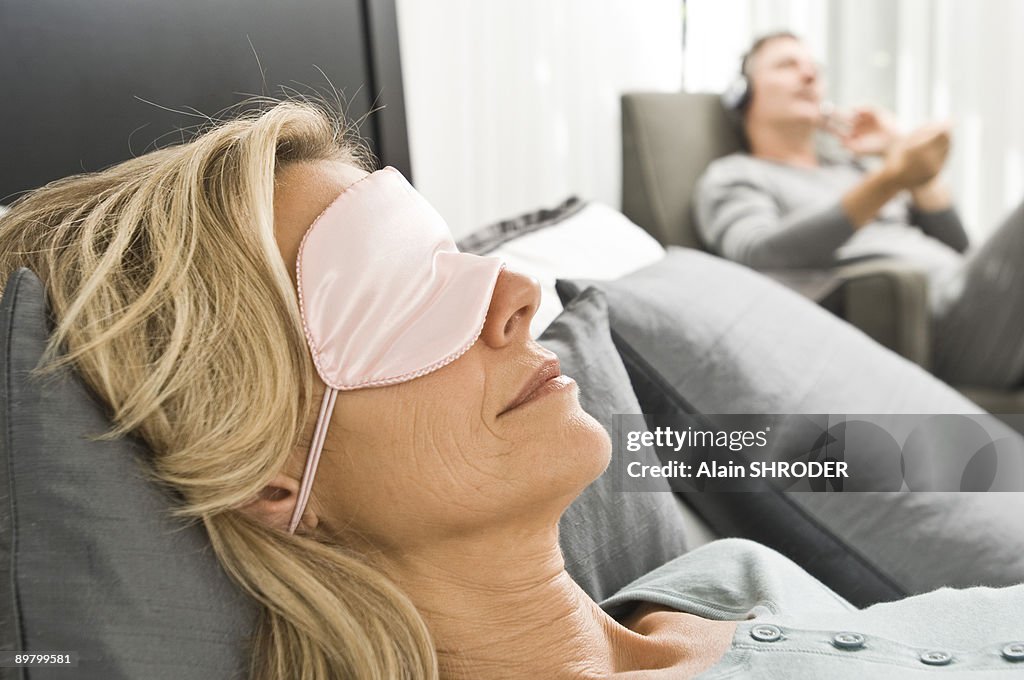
{"points": [[174, 304]]}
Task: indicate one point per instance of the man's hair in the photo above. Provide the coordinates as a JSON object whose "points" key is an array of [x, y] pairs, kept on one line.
{"points": [[759, 43]]}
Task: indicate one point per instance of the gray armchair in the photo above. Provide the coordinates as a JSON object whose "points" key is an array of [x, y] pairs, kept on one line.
{"points": [[668, 139]]}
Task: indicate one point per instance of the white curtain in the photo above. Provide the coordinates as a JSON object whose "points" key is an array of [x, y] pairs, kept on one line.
{"points": [[923, 59], [513, 105]]}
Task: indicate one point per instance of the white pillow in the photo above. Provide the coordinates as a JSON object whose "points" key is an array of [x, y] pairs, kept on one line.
{"points": [[595, 242]]}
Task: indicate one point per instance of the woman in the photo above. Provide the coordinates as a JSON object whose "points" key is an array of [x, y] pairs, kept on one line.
{"points": [[395, 521]]}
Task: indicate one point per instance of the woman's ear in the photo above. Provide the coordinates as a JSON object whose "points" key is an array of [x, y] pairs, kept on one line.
{"points": [[275, 503]]}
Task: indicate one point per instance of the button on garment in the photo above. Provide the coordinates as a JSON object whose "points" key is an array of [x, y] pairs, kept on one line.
{"points": [[766, 633], [791, 627], [1014, 651], [936, 658], [848, 640]]}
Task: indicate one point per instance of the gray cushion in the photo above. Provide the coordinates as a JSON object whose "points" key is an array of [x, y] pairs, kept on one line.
{"points": [[609, 538], [725, 339], [91, 561]]}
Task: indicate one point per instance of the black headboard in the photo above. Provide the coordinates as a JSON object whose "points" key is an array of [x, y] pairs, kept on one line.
{"points": [[88, 84]]}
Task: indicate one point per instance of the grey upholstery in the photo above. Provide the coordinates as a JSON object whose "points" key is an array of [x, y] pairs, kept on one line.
{"points": [[668, 139], [92, 563], [889, 302], [691, 329]]}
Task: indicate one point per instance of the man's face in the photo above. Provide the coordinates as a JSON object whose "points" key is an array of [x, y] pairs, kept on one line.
{"points": [[786, 83]]}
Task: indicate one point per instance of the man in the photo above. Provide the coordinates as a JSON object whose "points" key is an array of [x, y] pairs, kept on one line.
{"points": [[782, 206]]}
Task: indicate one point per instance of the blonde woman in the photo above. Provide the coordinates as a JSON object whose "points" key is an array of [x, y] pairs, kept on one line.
{"points": [[379, 451]]}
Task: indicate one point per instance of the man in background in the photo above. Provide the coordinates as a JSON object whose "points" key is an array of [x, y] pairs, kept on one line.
{"points": [[782, 205]]}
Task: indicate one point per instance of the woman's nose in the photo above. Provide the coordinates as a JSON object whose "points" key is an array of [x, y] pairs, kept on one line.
{"points": [[513, 304]]}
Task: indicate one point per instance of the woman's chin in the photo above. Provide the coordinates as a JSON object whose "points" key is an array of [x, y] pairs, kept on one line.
{"points": [[592, 444]]}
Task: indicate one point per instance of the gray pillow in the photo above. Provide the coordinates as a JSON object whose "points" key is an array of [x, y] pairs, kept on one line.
{"points": [[715, 337], [91, 561], [609, 538]]}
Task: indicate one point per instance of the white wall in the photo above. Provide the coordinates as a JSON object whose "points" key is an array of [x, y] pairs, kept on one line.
{"points": [[514, 104], [718, 32]]}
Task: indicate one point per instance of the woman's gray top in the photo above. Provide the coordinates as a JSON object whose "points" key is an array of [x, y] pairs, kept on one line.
{"points": [[792, 626], [770, 215]]}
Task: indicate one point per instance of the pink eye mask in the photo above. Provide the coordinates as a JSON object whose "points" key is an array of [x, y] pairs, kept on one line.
{"points": [[385, 295]]}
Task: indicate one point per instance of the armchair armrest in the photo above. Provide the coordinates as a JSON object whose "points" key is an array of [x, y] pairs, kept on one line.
{"points": [[888, 300], [885, 298]]}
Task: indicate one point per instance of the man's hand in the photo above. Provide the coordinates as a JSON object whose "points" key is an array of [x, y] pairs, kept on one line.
{"points": [[917, 158], [932, 196], [912, 162], [865, 131]]}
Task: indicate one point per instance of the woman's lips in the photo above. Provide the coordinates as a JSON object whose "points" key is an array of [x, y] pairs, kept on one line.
{"points": [[556, 384], [547, 379]]}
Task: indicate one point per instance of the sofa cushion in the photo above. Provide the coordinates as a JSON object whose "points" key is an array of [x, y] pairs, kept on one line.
{"points": [[702, 334], [93, 562]]}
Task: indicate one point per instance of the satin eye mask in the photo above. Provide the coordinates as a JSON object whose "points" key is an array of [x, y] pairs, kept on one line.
{"points": [[385, 295]]}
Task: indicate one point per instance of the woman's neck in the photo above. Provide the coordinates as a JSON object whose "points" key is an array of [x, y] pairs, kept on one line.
{"points": [[507, 613]]}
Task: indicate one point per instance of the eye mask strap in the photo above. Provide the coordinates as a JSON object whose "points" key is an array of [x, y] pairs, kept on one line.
{"points": [[313, 459]]}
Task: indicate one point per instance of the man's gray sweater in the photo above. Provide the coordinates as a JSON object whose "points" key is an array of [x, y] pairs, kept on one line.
{"points": [[769, 215]]}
